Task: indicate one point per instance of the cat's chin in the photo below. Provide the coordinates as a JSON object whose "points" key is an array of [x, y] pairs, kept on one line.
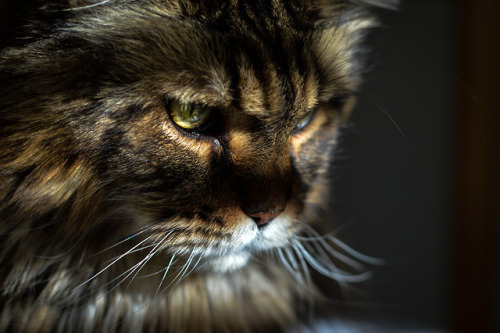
{"points": [[229, 262], [248, 241]]}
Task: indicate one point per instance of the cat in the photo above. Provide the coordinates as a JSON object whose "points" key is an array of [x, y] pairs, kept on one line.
{"points": [[164, 163]]}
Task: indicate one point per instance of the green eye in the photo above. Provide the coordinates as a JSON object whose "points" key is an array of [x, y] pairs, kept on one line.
{"points": [[189, 116]]}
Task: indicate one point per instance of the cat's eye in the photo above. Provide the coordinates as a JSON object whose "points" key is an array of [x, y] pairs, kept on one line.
{"points": [[189, 116], [304, 121]]}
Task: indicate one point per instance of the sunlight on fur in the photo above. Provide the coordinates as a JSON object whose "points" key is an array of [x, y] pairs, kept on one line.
{"points": [[164, 164]]}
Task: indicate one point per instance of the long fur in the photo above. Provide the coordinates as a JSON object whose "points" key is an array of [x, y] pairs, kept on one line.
{"points": [[115, 219]]}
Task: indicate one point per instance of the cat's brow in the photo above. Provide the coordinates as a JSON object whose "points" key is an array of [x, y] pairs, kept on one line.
{"points": [[209, 88]]}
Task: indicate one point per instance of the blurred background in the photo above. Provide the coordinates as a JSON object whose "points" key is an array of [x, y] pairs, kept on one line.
{"points": [[420, 186]]}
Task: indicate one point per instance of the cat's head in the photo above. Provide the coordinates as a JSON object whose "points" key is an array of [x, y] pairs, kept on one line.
{"points": [[206, 127]]}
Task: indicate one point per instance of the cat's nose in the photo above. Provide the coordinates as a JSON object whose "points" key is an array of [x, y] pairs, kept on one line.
{"points": [[262, 218]]}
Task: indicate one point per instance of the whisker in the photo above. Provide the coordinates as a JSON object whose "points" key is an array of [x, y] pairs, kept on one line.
{"points": [[148, 257], [336, 274], [127, 273], [322, 247], [142, 248], [183, 273], [314, 236], [108, 292], [291, 258], [288, 267], [165, 274], [117, 244], [303, 265], [192, 269], [89, 6], [323, 260], [111, 264], [308, 282], [360, 256], [153, 274], [403, 135], [180, 274]]}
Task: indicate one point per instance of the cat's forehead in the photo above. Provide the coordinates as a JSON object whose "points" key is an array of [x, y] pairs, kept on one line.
{"points": [[260, 55], [261, 76]]}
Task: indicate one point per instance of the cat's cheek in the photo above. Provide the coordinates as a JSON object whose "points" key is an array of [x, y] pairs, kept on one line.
{"points": [[323, 126], [311, 149]]}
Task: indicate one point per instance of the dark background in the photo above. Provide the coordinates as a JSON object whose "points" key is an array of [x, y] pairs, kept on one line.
{"points": [[420, 187]]}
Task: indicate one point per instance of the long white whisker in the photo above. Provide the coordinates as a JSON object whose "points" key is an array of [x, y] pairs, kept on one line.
{"points": [[321, 245], [123, 276], [291, 258], [295, 265], [393, 121], [308, 279], [314, 236], [128, 272], [288, 266], [285, 261], [192, 269], [111, 264], [157, 272], [165, 274], [332, 271], [322, 258], [132, 269], [303, 265], [148, 257], [181, 273], [328, 265], [90, 6], [116, 244], [354, 253], [341, 277], [139, 249]]}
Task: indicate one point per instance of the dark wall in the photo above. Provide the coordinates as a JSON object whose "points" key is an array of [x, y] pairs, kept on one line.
{"points": [[421, 187], [393, 194]]}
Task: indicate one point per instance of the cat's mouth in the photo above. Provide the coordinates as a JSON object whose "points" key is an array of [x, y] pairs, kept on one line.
{"points": [[227, 245], [248, 242]]}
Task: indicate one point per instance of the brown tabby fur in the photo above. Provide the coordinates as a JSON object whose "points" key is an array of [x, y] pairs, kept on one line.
{"points": [[100, 192]]}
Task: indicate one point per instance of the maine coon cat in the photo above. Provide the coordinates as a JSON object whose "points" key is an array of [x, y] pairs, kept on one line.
{"points": [[163, 163]]}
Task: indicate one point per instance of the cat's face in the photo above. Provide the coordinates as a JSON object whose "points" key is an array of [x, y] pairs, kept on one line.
{"points": [[208, 127]]}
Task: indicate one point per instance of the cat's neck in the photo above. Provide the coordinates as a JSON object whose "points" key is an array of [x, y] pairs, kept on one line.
{"points": [[245, 300]]}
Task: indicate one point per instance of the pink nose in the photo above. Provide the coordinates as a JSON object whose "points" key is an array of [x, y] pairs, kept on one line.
{"points": [[262, 218]]}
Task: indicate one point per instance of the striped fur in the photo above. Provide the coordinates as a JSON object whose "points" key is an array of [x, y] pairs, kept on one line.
{"points": [[112, 218]]}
